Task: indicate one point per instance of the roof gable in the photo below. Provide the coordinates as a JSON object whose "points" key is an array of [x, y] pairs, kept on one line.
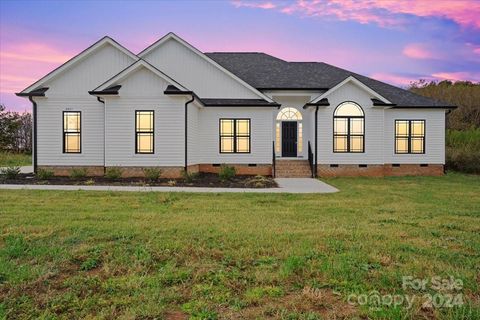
{"points": [[191, 67], [355, 81], [125, 73], [76, 59]]}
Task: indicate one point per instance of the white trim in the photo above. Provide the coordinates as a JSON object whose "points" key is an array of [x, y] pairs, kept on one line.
{"points": [[100, 43], [358, 83], [172, 35], [133, 67]]}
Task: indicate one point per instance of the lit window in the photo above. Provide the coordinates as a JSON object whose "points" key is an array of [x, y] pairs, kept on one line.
{"points": [[300, 137], [409, 136], [348, 128], [277, 132], [234, 135], [144, 132], [72, 132]]}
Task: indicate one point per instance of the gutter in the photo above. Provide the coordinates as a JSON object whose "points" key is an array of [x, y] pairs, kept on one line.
{"points": [[316, 142], [34, 118], [186, 128]]}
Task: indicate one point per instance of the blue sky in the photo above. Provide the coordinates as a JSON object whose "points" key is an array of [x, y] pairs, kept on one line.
{"points": [[396, 42]]}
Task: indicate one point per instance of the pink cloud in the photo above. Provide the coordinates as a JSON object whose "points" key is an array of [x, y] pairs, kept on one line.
{"points": [[254, 4], [417, 51], [458, 76], [381, 12], [393, 78]]}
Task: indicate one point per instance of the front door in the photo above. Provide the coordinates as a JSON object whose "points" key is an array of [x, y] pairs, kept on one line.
{"points": [[289, 139]]}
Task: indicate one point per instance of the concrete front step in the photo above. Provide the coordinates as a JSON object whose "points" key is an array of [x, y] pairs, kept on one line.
{"points": [[292, 169]]}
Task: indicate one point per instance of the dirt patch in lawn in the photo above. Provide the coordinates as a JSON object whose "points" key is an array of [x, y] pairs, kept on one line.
{"points": [[202, 180]]}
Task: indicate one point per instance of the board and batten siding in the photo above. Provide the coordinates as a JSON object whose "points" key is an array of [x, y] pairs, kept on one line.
{"points": [[261, 135], [373, 128], [143, 90], [434, 135], [196, 73], [88, 73]]}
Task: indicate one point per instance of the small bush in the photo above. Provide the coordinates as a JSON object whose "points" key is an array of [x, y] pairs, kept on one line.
{"points": [[90, 182], [226, 172], [113, 173], [172, 183], [10, 172], [44, 174], [152, 174], [189, 176], [78, 173], [258, 182]]}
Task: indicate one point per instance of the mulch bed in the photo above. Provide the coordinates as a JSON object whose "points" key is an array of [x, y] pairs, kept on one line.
{"points": [[203, 180]]}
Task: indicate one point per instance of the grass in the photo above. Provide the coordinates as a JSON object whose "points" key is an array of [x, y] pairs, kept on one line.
{"points": [[207, 256], [8, 159], [463, 150]]}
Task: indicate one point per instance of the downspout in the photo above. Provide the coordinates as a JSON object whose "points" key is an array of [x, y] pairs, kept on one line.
{"points": [[104, 131], [34, 122], [445, 143], [316, 144], [186, 132]]}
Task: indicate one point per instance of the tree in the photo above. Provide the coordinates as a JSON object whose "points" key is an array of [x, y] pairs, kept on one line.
{"points": [[15, 131], [464, 94]]}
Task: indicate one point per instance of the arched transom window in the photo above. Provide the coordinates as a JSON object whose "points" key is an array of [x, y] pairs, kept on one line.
{"points": [[289, 114], [348, 128]]}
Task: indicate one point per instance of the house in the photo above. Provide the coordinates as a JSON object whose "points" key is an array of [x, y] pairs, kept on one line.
{"points": [[174, 107]]}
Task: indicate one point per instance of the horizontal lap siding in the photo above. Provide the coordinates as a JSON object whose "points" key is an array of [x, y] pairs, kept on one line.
{"points": [[373, 129], [144, 91], [261, 135], [193, 146], [50, 132], [434, 135]]}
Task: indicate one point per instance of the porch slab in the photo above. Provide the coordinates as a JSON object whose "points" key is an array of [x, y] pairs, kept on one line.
{"points": [[286, 185]]}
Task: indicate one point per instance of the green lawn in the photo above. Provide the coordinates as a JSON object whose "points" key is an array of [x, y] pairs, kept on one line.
{"points": [[206, 256], [8, 159]]}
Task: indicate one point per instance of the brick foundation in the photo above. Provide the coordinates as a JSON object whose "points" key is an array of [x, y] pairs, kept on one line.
{"points": [[241, 169], [379, 170], [92, 171]]}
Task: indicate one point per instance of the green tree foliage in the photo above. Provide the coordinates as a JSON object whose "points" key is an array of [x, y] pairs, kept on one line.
{"points": [[465, 95], [15, 131]]}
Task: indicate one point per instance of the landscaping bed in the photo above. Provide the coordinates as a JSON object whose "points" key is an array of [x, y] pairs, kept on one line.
{"points": [[201, 180]]}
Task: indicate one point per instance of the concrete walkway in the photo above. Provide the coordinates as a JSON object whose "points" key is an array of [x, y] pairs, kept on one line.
{"points": [[286, 185]]}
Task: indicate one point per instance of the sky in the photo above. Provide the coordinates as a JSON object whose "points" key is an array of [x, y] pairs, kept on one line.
{"points": [[394, 41]]}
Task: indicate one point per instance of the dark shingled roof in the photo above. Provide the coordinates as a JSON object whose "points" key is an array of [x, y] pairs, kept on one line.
{"points": [[263, 72]]}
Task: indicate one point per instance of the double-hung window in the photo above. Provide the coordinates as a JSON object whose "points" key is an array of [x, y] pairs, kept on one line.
{"points": [[144, 131], [234, 135], [409, 136], [72, 137]]}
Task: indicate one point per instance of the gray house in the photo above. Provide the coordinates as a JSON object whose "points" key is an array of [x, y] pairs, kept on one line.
{"points": [[174, 107]]}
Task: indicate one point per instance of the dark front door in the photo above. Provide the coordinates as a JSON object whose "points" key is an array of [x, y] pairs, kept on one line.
{"points": [[289, 139]]}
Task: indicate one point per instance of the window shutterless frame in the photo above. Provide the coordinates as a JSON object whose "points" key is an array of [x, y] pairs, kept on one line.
{"points": [[66, 133], [409, 136], [235, 135], [348, 134], [150, 132]]}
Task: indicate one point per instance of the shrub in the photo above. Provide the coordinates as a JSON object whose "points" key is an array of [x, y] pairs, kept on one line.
{"points": [[44, 174], [90, 182], [258, 182], [10, 172], [78, 173], [172, 183], [463, 150], [189, 176], [152, 174], [113, 173], [226, 172]]}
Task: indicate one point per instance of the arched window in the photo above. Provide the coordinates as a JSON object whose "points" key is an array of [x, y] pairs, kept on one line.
{"points": [[289, 114], [348, 128]]}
